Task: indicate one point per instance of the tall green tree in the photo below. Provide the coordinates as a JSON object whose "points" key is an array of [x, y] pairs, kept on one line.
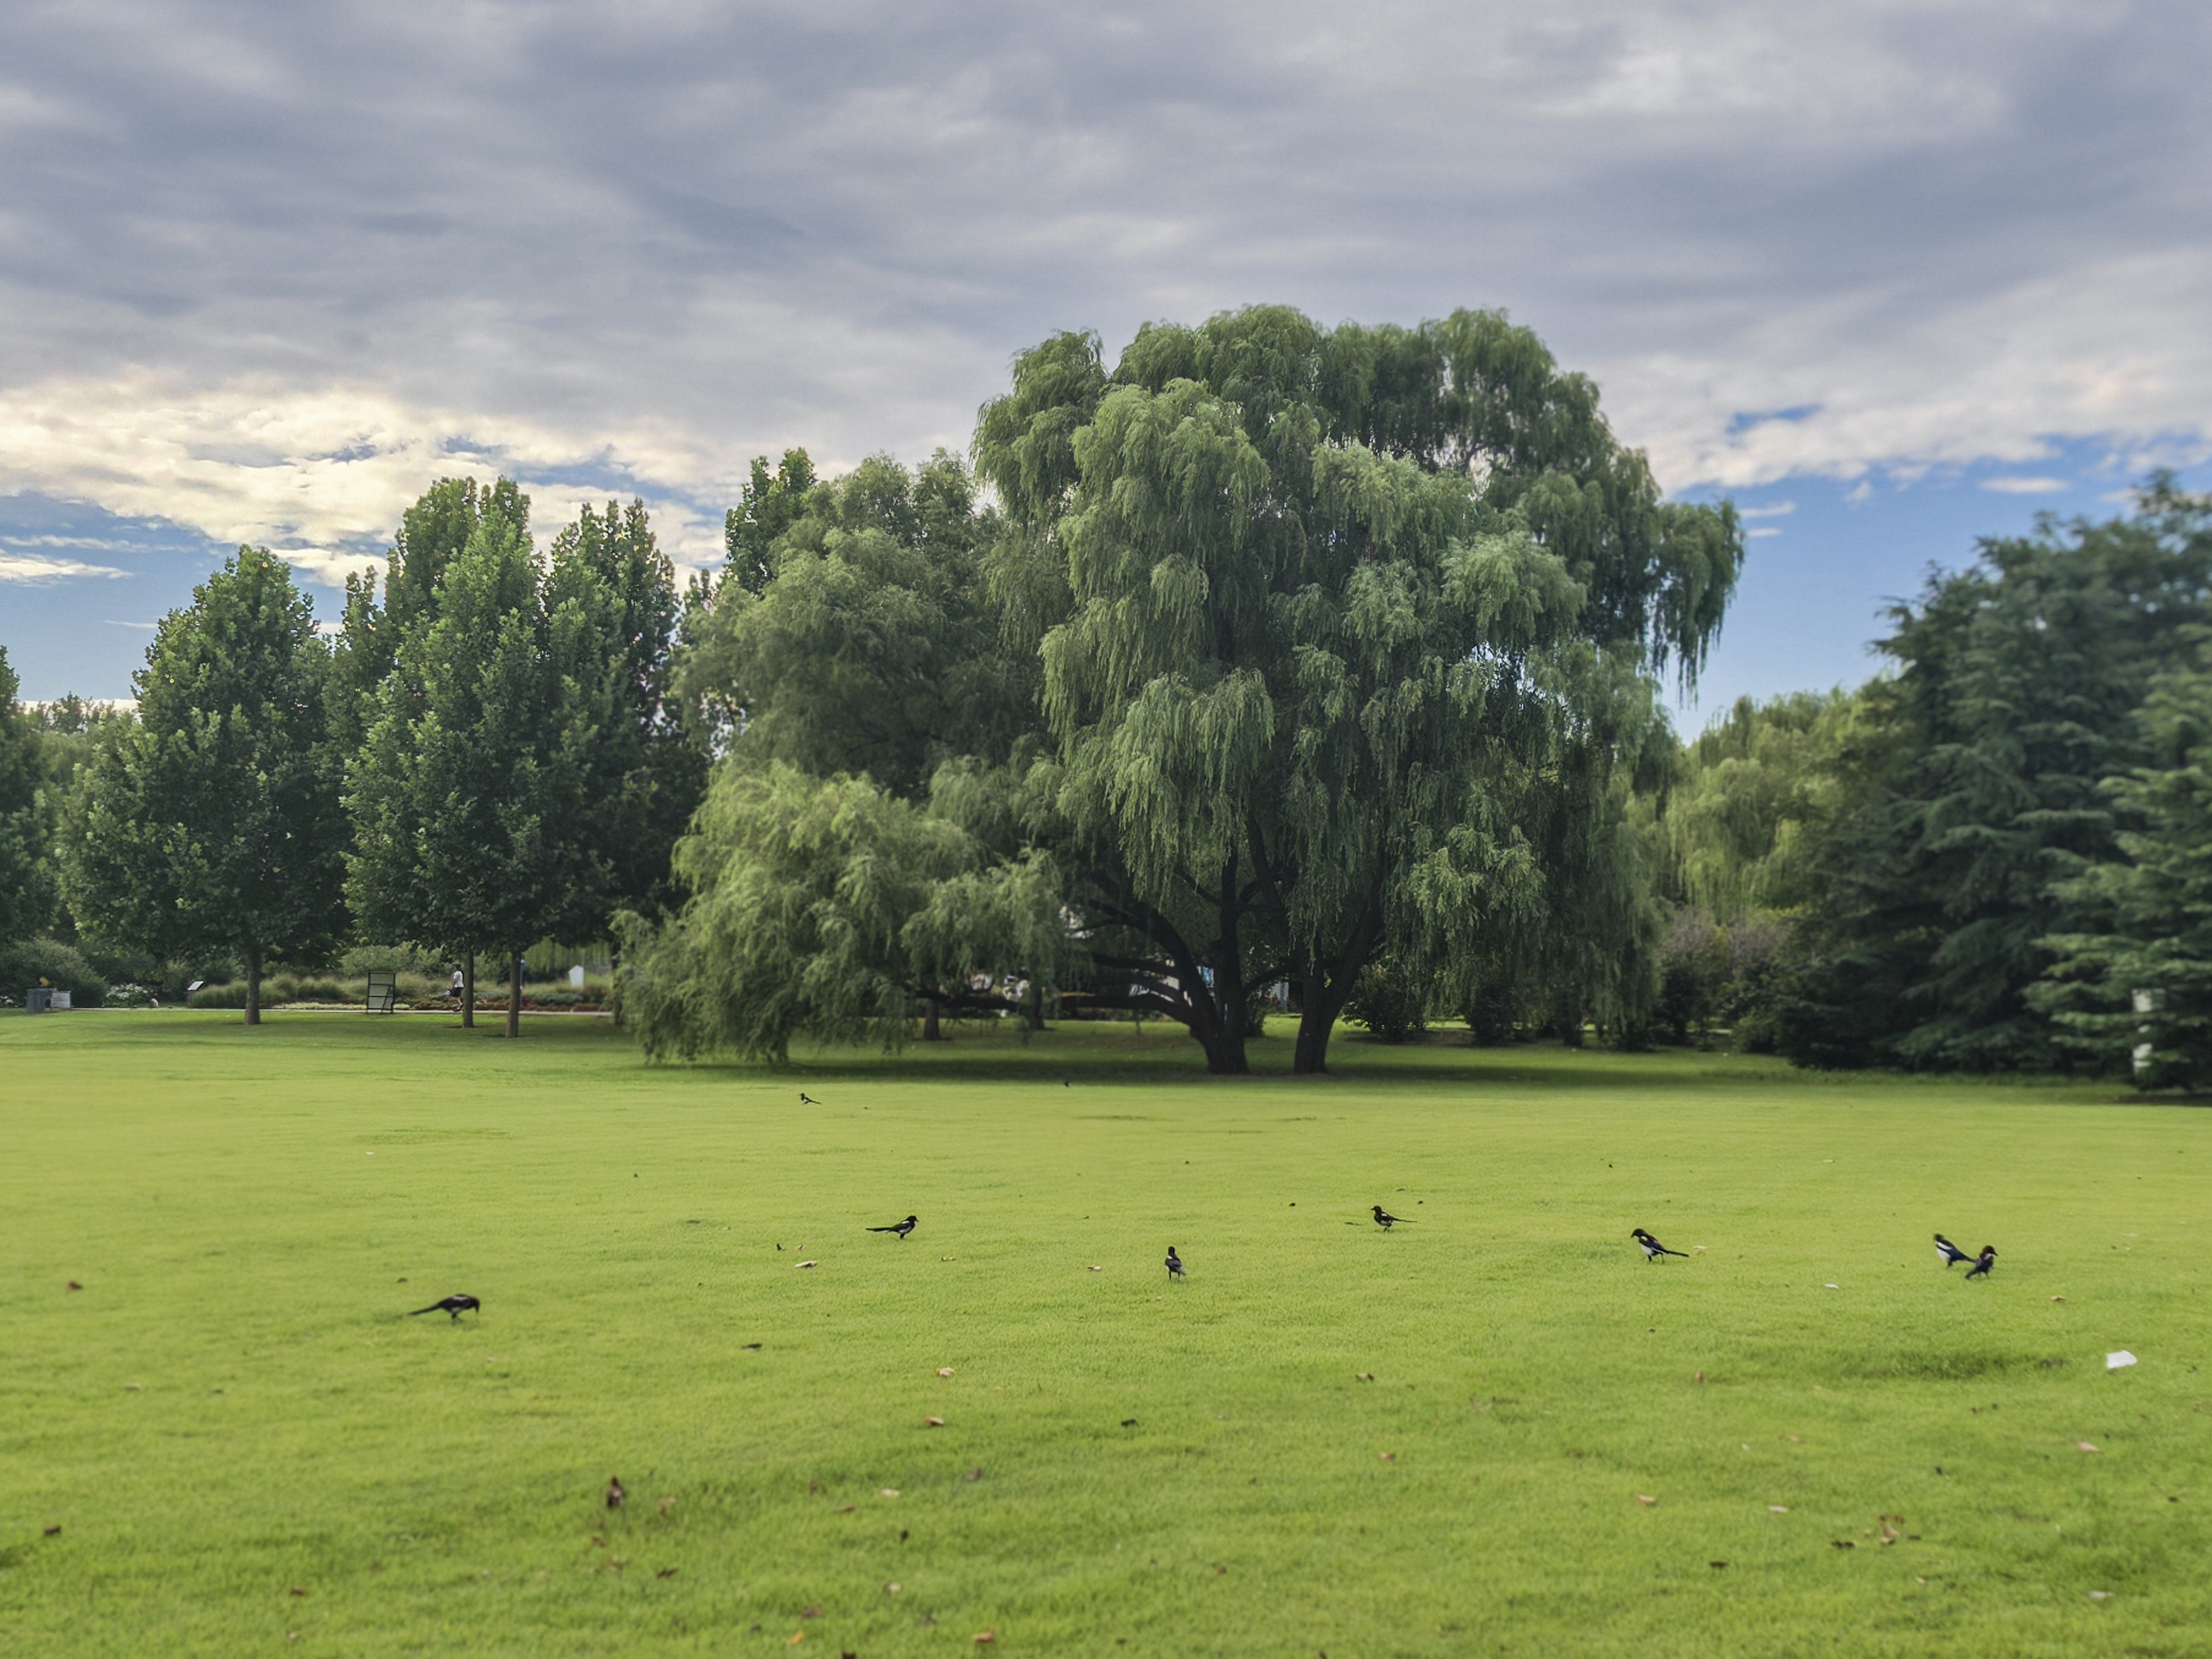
{"points": [[2133, 988], [212, 822], [1296, 586], [25, 881], [611, 612], [466, 793]]}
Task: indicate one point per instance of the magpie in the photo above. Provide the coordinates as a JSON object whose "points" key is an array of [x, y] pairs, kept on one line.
{"points": [[1175, 1263], [1984, 1262], [1652, 1249], [901, 1228], [455, 1305], [1385, 1221], [1952, 1255], [806, 1099]]}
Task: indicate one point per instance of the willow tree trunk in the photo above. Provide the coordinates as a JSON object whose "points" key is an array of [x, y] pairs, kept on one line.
{"points": [[930, 1030], [515, 993], [468, 990], [253, 985]]}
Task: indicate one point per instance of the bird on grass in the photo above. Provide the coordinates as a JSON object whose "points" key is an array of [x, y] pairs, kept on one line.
{"points": [[901, 1228], [455, 1305], [1984, 1262], [1652, 1249], [1385, 1221], [1175, 1263], [806, 1099], [616, 1491], [1952, 1255]]}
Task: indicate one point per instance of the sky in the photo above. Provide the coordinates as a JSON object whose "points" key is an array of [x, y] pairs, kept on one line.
{"points": [[1893, 274]]}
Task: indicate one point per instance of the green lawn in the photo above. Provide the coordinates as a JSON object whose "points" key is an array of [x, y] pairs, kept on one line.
{"points": [[247, 1448]]}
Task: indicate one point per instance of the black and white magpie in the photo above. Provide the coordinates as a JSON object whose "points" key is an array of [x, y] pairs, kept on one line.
{"points": [[901, 1228], [1952, 1255], [1175, 1263], [806, 1099], [1652, 1249], [455, 1305], [1984, 1262], [1385, 1221]]}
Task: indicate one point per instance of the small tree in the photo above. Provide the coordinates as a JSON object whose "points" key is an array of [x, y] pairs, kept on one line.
{"points": [[212, 822]]}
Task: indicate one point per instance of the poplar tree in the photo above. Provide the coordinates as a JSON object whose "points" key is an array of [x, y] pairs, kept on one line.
{"points": [[212, 820], [466, 793]]}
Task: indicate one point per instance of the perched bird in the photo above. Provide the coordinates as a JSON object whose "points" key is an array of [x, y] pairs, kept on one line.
{"points": [[806, 1099], [455, 1305], [901, 1228], [615, 1492], [1175, 1263], [1984, 1262], [1652, 1249], [1385, 1221], [1952, 1255]]}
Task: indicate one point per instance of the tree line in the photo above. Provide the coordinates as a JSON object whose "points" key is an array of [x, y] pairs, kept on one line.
{"points": [[1994, 855], [1269, 661]]}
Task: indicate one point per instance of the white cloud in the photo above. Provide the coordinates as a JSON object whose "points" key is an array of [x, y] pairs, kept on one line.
{"points": [[31, 568], [1778, 510], [1761, 530], [2021, 486]]}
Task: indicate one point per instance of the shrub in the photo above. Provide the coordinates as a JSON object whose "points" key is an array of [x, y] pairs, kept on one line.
{"points": [[1390, 1006], [62, 966], [218, 996], [131, 994]]}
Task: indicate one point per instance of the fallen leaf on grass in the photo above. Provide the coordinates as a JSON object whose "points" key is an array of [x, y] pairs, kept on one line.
{"points": [[810, 1613], [298, 1590], [890, 1589], [984, 1637], [944, 1370], [1778, 1509], [794, 1638], [598, 1542], [2083, 1445], [666, 1504], [810, 1264], [1389, 1458], [1701, 1376], [2057, 1298], [976, 1474], [1363, 1376], [842, 1509], [887, 1491], [932, 1422], [665, 1572], [1646, 1501], [2101, 1595], [1793, 1439]]}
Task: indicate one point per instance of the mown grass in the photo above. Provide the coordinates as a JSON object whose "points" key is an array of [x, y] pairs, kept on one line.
{"points": [[1124, 1466]]}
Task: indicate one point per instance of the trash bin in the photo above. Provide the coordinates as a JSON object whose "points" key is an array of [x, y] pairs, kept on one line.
{"points": [[38, 999]]}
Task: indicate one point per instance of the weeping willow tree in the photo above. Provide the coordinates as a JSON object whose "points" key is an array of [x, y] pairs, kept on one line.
{"points": [[1280, 648]]}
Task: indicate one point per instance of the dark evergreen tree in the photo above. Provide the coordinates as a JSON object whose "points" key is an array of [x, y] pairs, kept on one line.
{"points": [[26, 886]]}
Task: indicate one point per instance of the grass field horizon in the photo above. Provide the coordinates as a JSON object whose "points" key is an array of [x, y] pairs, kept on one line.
{"points": [[1332, 1439]]}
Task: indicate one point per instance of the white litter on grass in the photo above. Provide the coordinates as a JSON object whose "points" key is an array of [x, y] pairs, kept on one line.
{"points": [[2114, 1362], [810, 1264], [1832, 1287]]}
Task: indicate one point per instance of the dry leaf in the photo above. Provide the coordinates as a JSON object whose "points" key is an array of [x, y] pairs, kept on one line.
{"points": [[1793, 1439], [932, 1422], [298, 1590], [842, 1509], [890, 1589], [795, 1639], [666, 1504], [810, 1613], [598, 1542], [1363, 1376], [1389, 1458], [976, 1474], [887, 1491], [1701, 1376], [1778, 1509], [1220, 1570], [984, 1637], [665, 1572], [1646, 1501], [2057, 1298], [2083, 1445], [944, 1370]]}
